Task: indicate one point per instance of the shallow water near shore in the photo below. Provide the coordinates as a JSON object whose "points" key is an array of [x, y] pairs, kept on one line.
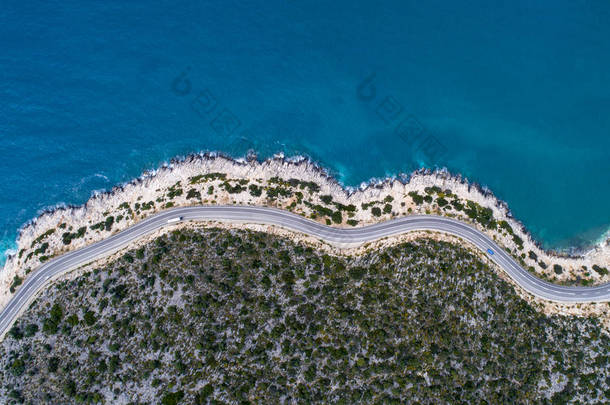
{"points": [[515, 98]]}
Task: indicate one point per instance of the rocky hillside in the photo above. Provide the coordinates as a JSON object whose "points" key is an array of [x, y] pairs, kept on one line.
{"points": [[216, 316]]}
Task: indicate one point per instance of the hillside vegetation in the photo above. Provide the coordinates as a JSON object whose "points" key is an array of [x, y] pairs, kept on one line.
{"points": [[216, 316]]}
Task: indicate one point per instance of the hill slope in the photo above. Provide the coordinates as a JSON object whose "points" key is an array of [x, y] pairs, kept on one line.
{"points": [[232, 316]]}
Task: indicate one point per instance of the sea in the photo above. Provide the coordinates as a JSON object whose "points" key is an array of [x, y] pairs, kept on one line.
{"points": [[513, 95]]}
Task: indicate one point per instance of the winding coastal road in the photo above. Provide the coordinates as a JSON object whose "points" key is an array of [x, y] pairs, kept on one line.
{"points": [[40, 277]]}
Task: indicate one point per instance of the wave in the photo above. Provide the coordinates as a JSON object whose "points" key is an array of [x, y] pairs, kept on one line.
{"points": [[331, 178]]}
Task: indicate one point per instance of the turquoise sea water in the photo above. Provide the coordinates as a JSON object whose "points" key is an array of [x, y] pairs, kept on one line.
{"points": [[513, 95]]}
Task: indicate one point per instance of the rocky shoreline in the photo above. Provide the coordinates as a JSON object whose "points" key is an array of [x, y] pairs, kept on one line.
{"points": [[299, 185]]}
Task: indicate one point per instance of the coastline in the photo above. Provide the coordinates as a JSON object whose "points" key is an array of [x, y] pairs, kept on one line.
{"points": [[598, 309], [172, 185]]}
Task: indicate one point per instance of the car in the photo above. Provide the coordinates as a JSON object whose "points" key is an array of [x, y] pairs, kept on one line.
{"points": [[491, 252]]}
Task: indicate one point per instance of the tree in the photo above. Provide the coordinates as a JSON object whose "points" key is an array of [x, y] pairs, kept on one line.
{"points": [[172, 398], [72, 320], [113, 364], [326, 199], [192, 193], [57, 312], [89, 318], [109, 222], [17, 367], [31, 329], [53, 364], [51, 324], [15, 333], [602, 271], [417, 199], [69, 388], [16, 395], [255, 190], [336, 217], [16, 283], [357, 272], [202, 396]]}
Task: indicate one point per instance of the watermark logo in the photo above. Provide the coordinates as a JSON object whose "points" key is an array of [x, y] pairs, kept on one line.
{"points": [[389, 109], [366, 89], [406, 126], [206, 105], [225, 123], [181, 85], [410, 130]]}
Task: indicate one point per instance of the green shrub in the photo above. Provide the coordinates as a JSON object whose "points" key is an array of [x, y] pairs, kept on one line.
{"points": [[602, 271], [51, 324], [288, 277], [99, 225], [72, 320], [113, 364], [53, 364], [16, 395], [518, 241], [433, 190], [202, 396], [505, 225], [31, 329], [336, 217], [172, 192], [108, 223], [17, 367], [255, 190], [16, 283], [49, 327], [326, 199], [357, 272], [15, 333], [69, 388], [274, 192], [67, 237], [57, 312], [348, 208], [192, 193], [207, 177], [417, 199], [457, 205], [42, 248], [172, 398], [89, 318]]}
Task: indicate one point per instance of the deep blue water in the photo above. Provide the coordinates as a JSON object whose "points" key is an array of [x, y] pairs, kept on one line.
{"points": [[513, 95]]}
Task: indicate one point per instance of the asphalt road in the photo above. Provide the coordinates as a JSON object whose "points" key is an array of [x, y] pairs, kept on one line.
{"points": [[38, 278]]}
